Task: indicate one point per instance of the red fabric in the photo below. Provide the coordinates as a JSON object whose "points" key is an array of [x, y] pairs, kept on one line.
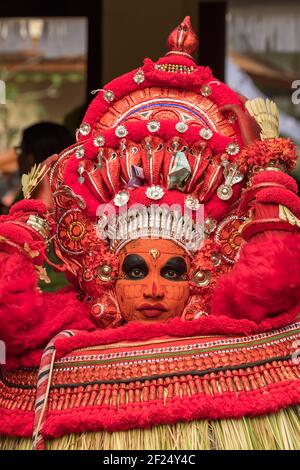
{"points": [[278, 177], [125, 84], [265, 282], [279, 229], [213, 324], [28, 318], [16, 423], [29, 205], [280, 196]]}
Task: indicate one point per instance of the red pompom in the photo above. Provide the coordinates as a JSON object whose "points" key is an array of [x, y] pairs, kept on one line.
{"points": [[264, 282]]}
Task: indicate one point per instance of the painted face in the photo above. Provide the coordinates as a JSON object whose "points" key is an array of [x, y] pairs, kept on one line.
{"points": [[153, 283]]}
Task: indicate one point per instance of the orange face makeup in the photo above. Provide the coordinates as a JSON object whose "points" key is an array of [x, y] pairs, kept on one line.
{"points": [[153, 283]]}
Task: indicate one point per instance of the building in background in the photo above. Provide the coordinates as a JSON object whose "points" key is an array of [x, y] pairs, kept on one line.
{"points": [[63, 51]]}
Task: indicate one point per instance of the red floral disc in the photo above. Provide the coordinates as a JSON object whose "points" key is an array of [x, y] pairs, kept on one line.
{"points": [[229, 237], [71, 230]]}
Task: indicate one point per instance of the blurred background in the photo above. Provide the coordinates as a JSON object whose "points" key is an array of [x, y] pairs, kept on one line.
{"points": [[54, 54]]}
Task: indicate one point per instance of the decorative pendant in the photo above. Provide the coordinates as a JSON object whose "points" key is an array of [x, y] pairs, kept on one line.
{"points": [[192, 203], [206, 90], [99, 141], [153, 126], [81, 170], [99, 158], [104, 272], [139, 77], [232, 148], [210, 225], [232, 176], [79, 152], [201, 278], [85, 128]]}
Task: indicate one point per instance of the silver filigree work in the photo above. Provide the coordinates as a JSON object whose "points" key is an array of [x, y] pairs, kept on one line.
{"points": [[99, 141], [139, 77], [232, 148], [206, 133], [121, 198], [121, 131], [181, 127], [79, 152], [109, 96], [192, 203], [155, 192], [85, 128], [153, 126]]}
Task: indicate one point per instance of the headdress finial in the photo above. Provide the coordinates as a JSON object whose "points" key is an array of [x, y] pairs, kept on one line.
{"points": [[183, 39]]}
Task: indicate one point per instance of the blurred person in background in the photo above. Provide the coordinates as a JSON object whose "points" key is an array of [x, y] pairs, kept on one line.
{"points": [[38, 142]]}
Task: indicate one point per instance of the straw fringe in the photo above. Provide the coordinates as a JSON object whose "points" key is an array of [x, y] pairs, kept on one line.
{"points": [[280, 431]]}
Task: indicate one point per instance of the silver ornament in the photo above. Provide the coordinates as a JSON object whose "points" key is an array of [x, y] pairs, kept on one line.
{"points": [[121, 131], [181, 127], [206, 133], [153, 126], [121, 198], [99, 141], [155, 192]]}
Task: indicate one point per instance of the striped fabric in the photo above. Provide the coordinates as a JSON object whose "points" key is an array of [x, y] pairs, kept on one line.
{"points": [[43, 387]]}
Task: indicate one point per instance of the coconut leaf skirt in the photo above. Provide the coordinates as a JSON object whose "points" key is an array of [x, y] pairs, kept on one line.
{"points": [[197, 392]]}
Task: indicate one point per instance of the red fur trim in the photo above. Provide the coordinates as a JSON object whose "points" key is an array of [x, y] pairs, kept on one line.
{"points": [[280, 196], [264, 282], [230, 405], [23, 239], [29, 205], [181, 60], [212, 324], [28, 318], [15, 233], [177, 80], [16, 423], [275, 177]]}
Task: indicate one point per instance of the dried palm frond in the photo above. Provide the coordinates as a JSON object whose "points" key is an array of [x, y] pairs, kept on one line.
{"points": [[266, 114], [32, 179]]}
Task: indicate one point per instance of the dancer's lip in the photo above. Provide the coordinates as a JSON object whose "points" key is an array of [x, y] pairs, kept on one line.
{"points": [[160, 307], [152, 310]]}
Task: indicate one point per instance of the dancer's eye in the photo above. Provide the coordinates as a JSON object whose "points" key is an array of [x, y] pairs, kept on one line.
{"points": [[135, 267], [175, 269]]}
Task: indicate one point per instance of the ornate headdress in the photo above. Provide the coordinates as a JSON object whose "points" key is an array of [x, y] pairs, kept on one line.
{"points": [[159, 142]]}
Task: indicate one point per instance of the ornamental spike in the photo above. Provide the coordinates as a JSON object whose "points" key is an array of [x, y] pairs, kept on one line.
{"points": [[183, 39]]}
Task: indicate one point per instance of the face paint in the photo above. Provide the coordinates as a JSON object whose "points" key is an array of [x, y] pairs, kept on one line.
{"points": [[153, 284]]}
